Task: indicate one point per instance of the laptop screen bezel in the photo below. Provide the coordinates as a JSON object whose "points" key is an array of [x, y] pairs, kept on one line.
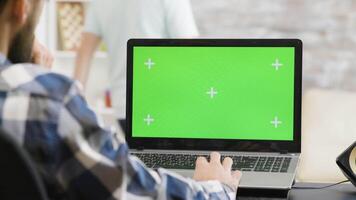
{"points": [[293, 146]]}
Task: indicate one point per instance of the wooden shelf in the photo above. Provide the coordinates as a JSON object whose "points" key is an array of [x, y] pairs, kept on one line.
{"points": [[49, 30]]}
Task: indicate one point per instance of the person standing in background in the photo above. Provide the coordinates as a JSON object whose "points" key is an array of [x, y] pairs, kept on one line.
{"points": [[115, 22]]}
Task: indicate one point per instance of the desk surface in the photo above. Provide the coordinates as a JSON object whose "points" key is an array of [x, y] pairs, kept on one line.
{"points": [[340, 192]]}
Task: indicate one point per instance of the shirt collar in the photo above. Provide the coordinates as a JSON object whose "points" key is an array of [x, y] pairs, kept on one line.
{"points": [[3, 60]]}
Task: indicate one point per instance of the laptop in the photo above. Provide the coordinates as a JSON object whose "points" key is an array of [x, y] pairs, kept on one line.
{"points": [[240, 97]]}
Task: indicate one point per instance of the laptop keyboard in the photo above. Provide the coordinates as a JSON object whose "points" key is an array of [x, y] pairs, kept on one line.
{"points": [[243, 163]]}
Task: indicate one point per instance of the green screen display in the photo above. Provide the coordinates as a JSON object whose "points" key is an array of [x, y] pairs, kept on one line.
{"points": [[242, 93]]}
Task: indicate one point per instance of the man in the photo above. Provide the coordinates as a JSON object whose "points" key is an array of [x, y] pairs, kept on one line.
{"points": [[116, 21], [76, 157]]}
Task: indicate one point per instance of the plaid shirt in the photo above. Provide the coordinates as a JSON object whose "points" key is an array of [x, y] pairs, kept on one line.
{"points": [[77, 158]]}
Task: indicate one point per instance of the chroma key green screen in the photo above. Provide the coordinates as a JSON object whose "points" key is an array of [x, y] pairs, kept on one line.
{"points": [[242, 93]]}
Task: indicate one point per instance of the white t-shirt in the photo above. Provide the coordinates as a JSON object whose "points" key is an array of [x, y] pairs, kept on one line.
{"points": [[116, 21]]}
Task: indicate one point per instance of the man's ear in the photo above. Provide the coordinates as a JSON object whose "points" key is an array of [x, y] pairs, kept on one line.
{"points": [[20, 11]]}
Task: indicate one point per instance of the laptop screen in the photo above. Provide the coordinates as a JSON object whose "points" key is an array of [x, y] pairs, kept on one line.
{"points": [[193, 92]]}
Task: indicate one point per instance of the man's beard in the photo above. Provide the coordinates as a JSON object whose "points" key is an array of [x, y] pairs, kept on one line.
{"points": [[21, 47]]}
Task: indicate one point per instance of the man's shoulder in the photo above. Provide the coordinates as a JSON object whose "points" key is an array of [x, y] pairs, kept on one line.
{"points": [[36, 80]]}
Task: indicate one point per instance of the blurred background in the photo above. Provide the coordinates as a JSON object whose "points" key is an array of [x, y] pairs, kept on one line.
{"points": [[326, 27]]}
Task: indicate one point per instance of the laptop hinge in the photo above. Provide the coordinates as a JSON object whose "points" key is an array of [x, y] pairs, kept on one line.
{"points": [[283, 152], [140, 148]]}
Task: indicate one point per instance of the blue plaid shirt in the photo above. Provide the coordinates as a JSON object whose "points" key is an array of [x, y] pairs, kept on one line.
{"points": [[77, 158]]}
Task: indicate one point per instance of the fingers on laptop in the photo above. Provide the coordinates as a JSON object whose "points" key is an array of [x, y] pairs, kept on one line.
{"points": [[236, 177], [215, 157], [227, 163], [236, 174], [201, 161]]}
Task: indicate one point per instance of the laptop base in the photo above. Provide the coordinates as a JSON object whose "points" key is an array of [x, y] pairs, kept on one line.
{"points": [[266, 193]]}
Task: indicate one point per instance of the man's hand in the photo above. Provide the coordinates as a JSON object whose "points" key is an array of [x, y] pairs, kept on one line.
{"points": [[214, 170], [41, 55]]}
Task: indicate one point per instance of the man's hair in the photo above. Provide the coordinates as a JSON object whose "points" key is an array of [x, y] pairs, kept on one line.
{"points": [[2, 4]]}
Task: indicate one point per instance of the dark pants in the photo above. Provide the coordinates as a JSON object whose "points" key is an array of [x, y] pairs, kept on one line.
{"points": [[122, 124]]}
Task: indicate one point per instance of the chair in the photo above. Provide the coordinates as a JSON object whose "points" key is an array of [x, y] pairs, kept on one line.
{"points": [[19, 178]]}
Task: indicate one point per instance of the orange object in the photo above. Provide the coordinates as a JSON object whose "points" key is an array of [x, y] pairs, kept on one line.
{"points": [[108, 103]]}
